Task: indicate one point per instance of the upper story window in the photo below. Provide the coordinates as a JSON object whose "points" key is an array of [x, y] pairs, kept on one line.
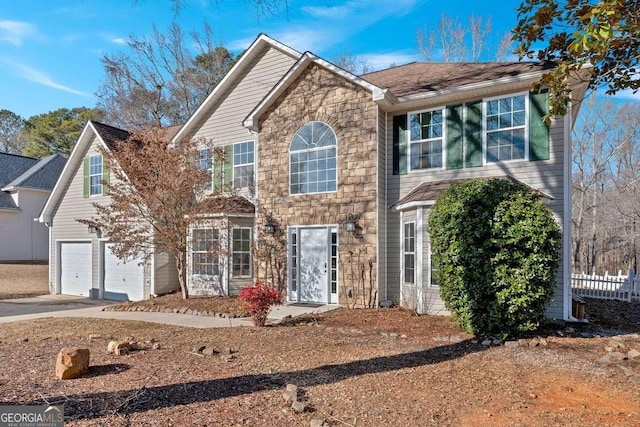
{"points": [[506, 128], [312, 156], [426, 139], [205, 162], [95, 175], [243, 158]]}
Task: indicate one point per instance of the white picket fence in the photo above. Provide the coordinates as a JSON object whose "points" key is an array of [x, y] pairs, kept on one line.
{"points": [[620, 287]]}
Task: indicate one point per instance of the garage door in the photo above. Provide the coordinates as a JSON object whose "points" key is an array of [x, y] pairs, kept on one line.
{"points": [[75, 268], [122, 280]]}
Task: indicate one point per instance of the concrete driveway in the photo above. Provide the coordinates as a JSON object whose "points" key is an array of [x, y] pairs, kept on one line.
{"points": [[43, 304]]}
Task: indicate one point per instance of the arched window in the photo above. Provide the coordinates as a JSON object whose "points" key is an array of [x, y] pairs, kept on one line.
{"points": [[312, 156]]}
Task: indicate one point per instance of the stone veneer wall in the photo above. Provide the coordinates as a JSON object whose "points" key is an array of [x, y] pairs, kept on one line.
{"points": [[319, 95]]}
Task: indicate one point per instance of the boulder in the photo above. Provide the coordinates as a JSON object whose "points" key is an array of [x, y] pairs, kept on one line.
{"points": [[298, 407], [72, 363], [119, 347]]}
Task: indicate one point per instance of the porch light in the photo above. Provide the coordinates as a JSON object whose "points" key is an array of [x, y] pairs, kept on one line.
{"points": [[350, 223], [270, 228], [94, 229]]}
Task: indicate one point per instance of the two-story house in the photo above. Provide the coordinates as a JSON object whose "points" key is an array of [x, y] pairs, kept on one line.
{"points": [[345, 168]]}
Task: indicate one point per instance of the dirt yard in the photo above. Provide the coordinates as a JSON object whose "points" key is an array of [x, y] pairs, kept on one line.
{"points": [[23, 280], [382, 367]]}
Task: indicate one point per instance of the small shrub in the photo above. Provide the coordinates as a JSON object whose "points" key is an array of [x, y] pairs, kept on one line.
{"points": [[258, 300], [496, 250]]}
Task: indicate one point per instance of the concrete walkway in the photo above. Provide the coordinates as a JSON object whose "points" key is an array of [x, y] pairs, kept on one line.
{"points": [[64, 306]]}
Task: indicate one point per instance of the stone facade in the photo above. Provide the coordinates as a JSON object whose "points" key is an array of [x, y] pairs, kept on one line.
{"points": [[320, 95]]}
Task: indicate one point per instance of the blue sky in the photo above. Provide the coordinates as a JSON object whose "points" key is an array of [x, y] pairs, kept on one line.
{"points": [[50, 49]]}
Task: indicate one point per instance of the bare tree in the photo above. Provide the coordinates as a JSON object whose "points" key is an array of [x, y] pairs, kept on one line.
{"points": [[155, 198], [606, 188], [453, 41], [159, 81], [354, 64]]}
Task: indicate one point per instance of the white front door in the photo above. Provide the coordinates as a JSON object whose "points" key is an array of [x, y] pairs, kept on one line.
{"points": [[122, 280], [313, 264]]}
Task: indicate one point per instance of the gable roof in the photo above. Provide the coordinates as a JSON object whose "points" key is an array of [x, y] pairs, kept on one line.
{"points": [[308, 58], [18, 172], [107, 136], [261, 43]]}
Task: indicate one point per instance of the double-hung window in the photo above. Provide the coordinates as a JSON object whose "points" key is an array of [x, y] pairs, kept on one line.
{"points": [[506, 128], [243, 158], [205, 162], [95, 175], [409, 252], [426, 139], [205, 251], [241, 252]]}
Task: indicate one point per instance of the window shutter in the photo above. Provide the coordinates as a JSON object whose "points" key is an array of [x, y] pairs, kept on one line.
{"points": [[228, 167], [473, 134], [400, 138], [454, 136], [105, 177], [538, 129], [85, 177]]}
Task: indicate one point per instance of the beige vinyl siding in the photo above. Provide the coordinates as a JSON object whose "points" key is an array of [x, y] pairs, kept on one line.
{"points": [[382, 208], [165, 274], [546, 176], [224, 125], [72, 206], [21, 238]]}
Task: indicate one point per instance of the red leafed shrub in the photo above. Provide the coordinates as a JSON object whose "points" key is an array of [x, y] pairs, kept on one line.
{"points": [[258, 300]]}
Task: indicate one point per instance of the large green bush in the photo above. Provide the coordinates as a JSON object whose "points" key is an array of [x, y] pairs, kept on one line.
{"points": [[495, 247]]}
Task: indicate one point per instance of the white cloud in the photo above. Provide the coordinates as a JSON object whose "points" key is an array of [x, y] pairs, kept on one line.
{"points": [[628, 94], [29, 73], [119, 40], [15, 32]]}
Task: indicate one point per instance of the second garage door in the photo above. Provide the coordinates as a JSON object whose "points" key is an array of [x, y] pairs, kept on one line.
{"points": [[122, 280], [75, 268]]}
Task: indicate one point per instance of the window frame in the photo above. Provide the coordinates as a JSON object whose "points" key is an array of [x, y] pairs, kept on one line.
{"points": [[251, 180], [443, 139], [406, 253], [525, 127], [310, 150], [99, 186], [215, 260], [209, 166], [235, 252]]}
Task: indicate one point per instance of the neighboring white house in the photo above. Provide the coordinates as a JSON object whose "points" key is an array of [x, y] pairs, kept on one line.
{"points": [[25, 185]]}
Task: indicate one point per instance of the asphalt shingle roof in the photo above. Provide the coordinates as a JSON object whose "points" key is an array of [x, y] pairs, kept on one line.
{"points": [[11, 167], [420, 77]]}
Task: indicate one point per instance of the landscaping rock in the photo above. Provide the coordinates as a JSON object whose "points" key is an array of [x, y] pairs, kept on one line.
{"points": [[486, 343], [290, 396], [119, 347], [511, 344], [198, 348], [612, 357], [72, 363], [209, 351], [298, 407], [317, 422], [633, 354], [386, 304]]}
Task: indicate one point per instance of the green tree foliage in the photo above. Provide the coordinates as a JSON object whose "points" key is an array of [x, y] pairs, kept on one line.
{"points": [[603, 34], [496, 251], [57, 131], [12, 135], [161, 79]]}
